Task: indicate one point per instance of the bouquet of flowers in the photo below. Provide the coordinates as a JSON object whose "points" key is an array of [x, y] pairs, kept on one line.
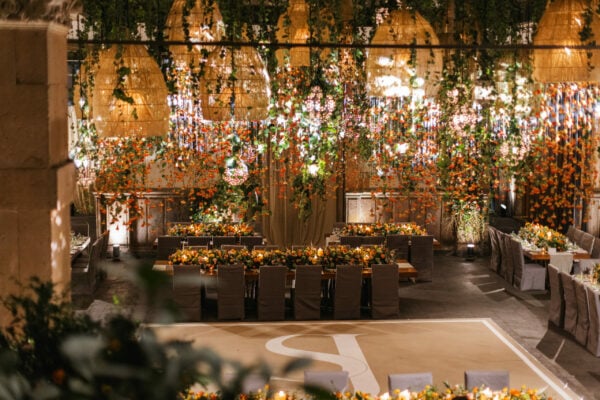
{"points": [[210, 229], [378, 229]]}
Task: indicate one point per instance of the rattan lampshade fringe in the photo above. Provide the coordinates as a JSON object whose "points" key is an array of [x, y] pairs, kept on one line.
{"points": [[388, 69], [148, 115], [205, 24], [250, 88], [561, 24]]}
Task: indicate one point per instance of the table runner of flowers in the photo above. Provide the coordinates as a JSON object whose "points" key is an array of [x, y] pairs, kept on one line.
{"points": [[211, 229], [544, 237], [253, 259], [379, 229], [428, 393]]}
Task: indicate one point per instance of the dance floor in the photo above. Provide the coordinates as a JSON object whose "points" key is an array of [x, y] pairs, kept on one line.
{"points": [[370, 350]]}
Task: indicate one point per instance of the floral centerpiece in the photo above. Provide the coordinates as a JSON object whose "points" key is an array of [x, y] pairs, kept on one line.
{"points": [[543, 237], [379, 229], [210, 229], [328, 258], [596, 274]]}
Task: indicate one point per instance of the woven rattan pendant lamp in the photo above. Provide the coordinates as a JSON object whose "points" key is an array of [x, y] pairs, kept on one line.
{"points": [[561, 25], [204, 24], [235, 85], [293, 27], [148, 113], [389, 70]]}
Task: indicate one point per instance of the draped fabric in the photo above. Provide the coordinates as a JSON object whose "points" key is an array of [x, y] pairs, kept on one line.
{"points": [[284, 227]]}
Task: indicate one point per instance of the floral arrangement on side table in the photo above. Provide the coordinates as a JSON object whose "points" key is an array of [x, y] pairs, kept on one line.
{"points": [[543, 237], [405, 228], [328, 257]]}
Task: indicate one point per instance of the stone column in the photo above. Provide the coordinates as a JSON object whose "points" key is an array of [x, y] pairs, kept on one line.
{"points": [[36, 175]]}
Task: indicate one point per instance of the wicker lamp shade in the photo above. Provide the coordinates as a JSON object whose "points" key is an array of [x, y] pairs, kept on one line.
{"points": [[560, 24], [245, 98], [293, 28], [205, 24], [389, 70], [148, 115]]}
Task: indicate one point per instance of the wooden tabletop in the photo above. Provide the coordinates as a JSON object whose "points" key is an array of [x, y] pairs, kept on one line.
{"points": [[539, 255]]}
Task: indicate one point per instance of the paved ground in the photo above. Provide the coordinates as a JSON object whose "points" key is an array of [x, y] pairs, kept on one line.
{"points": [[460, 289]]}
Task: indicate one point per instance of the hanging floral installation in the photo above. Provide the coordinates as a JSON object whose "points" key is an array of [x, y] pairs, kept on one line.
{"points": [[561, 163]]}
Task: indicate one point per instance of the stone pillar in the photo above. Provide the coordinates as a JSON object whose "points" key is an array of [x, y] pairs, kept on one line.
{"points": [[36, 175]]}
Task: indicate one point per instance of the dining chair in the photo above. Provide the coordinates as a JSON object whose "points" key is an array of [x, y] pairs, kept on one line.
{"points": [[570, 324], [399, 246], [346, 297], [166, 246], [372, 241], [593, 341], [495, 254], [266, 247], [562, 261], [504, 254], [84, 271], [352, 241], [307, 292], [527, 276], [421, 256], [556, 308], [218, 241], [187, 290], [333, 381], [583, 318], [413, 382], [271, 292], [237, 247], [508, 257], [493, 379], [571, 233], [198, 240], [578, 236], [587, 242], [384, 291], [230, 291], [251, 241]]}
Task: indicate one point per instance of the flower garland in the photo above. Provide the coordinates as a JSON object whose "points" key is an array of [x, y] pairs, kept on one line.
{"points": [[211, 229], [383, 229], [543, 236], [329, 257]]}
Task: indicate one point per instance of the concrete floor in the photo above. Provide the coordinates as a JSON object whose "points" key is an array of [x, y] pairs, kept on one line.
{"points": [[460, 289]]}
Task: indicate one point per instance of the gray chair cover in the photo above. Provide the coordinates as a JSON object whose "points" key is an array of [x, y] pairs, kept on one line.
{"points": [[562, 261], [251, 241], [307, 292], [373, 240], [421, 256], [352, 241], [570, 324], [556, 309], [587, 242], [198, 240], [267, 247], [187, 289], [384, 291], [218, 241], [400, 245], [508, 258], [583, 265], [233, 247], [529, 276], [333, 381], [230, 291], [593, 341], [583, 319], [495, 380], [271, 292], [85, 270], [571, 233], [348, 284], [495, 245], [578, 236], [413, 382], [504, 254], [166, 246]]}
